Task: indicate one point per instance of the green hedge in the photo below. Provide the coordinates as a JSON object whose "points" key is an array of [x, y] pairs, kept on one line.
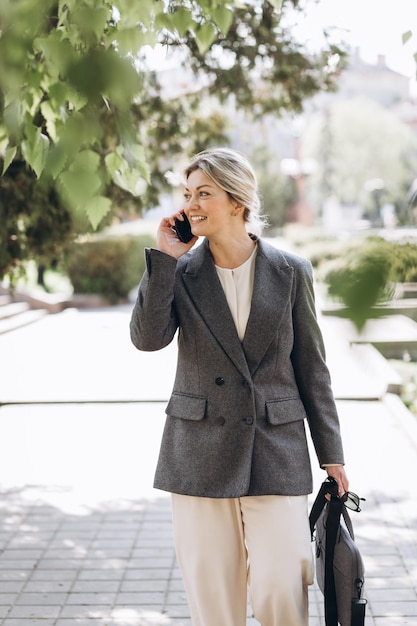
{"points": [[366, 276], [110, 266]]}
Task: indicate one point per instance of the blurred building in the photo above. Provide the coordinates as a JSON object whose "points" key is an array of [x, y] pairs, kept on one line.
{"points": [[373, 80]]}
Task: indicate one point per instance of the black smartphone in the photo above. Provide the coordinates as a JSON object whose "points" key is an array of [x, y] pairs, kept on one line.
{"points": [[183, 229]]}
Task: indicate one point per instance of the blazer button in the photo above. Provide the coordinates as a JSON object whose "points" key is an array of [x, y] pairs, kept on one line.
{"points": [[248, 420], [221, 421], [219, 381]]}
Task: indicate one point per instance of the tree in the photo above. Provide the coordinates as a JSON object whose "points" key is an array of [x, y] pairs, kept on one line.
{"points": [[39, 224], [260, 63], [358, 146], [81, 109], [277, 191]]}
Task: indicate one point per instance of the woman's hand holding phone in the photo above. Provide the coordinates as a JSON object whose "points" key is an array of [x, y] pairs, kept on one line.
{"points": [[174, 235]]}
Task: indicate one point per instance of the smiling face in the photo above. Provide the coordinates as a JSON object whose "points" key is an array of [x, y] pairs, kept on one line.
{"points": [[209, 208]]}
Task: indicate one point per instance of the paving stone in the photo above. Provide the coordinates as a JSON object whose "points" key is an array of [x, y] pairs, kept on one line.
{"points": [[395, 621], [96, 586], [394, 608], [43, 611], [77, 611], [34, 599], [23, 621]]}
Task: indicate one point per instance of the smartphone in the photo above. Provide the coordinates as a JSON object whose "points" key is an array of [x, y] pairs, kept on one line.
{"points": [[183, 229]]}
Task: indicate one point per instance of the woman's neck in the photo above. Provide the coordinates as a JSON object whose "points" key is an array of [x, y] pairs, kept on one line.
{"points": [[233, 252]]}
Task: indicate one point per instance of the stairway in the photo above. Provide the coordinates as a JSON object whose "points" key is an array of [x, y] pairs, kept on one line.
{"points": [[15, 314]]}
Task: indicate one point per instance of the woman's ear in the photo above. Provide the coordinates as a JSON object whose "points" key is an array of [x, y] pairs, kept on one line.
{"points": [[238, 209]]}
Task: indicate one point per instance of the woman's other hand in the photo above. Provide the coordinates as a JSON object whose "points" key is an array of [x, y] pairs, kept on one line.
{"points": [[338, 473]]}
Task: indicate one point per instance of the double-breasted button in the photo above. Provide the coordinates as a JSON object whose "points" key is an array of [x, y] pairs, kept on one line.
{"points": [[221, 421], [219, 381], [248, 420]]}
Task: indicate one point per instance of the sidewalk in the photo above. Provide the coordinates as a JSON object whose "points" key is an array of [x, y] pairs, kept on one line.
{"points": [[86, 540]]}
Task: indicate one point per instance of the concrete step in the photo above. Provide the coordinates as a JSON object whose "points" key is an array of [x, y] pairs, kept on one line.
{"points": [[376, 365], [13, 308], [25, 317], [5, 299]]}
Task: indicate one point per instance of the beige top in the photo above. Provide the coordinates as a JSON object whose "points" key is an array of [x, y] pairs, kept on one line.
{"points": [[237, 284]]}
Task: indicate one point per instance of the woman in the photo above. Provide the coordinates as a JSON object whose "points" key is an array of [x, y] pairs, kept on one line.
{"points": [[250, 370]]}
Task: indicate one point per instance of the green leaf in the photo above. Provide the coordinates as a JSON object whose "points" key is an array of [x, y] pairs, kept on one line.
{"points": [[96, 208], [277, 4], [57, 158], [79, 186], [87, 160], [131, 40], [205, 35], [182, 20], [113, 162], [91, 21], [50, 119], [32, 99], [8, 157], [406, 36], [164, 20], [223, 17], [13, 115], [134, 12], [135, 155], [35, 149], [81, 181], [58, 53], [60, 93]]}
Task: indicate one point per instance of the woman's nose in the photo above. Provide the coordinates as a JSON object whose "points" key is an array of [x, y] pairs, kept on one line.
{"points": [[193, 201]]}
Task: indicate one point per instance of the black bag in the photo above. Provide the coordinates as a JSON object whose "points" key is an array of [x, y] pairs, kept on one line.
{"points": [[339, 567]]}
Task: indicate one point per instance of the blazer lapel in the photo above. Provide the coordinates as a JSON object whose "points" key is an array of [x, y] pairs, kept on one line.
{"points": [[205, 290], [270, 301]]}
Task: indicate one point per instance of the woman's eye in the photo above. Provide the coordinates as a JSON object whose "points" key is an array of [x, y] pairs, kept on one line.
{"points": [[187, 196]]}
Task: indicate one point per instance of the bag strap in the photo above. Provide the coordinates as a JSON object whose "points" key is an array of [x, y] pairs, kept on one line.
{"points": [[348, 522], [336, 509], [327, 487], [335, 506]]}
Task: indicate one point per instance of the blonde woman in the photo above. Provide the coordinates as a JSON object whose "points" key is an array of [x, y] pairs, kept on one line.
{"points": [[251, 372]]}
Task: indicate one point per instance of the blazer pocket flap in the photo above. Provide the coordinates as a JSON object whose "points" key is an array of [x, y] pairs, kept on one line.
{"points": [[186, 407], [284, 411]]}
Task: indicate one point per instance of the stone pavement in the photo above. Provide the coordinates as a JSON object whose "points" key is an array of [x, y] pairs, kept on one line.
{"points": [[84, 537]]}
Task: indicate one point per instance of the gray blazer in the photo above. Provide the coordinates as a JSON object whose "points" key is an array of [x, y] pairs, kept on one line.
{"points": [[236, 418]]}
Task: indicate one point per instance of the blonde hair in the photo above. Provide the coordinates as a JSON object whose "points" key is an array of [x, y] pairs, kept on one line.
{"points": [[231, 171]]}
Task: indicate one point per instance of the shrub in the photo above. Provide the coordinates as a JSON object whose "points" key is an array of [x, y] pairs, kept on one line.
{"points": [[110, 266], [361, 280], [404, 262], [365, 275]]}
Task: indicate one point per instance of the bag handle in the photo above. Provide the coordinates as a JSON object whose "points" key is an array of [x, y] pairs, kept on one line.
{"points": [[328, 487]]}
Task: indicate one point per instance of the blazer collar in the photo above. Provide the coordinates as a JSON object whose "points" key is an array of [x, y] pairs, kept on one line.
{"points": [[271, 297]]}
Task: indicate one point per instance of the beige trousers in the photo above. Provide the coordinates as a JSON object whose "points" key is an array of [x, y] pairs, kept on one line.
{"points": [[224, 545]]}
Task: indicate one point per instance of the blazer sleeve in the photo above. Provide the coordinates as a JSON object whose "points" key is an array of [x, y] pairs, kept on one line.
{"points": [[154, 321], [311, 371]]}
